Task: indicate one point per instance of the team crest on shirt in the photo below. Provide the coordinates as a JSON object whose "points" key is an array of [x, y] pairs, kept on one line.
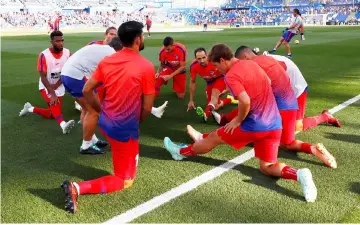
{"points": [[212, 72]]}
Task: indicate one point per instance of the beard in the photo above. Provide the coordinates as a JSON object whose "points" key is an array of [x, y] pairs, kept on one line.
{"points": [[56, 49], [142, 46]]}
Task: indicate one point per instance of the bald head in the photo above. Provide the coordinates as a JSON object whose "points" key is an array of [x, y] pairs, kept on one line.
{"points": [[244, 52]]}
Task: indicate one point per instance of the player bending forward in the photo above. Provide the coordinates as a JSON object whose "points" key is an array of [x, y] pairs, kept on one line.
{"points": [[50, 64], [129, 97], [215, 84], [258, 121]]}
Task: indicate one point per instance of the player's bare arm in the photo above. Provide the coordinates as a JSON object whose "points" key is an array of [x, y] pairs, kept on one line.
{"points": [[244, 108], [55, 86], [53, 98], [191, 104], [147, 104], [90, 97], [161, 67]]}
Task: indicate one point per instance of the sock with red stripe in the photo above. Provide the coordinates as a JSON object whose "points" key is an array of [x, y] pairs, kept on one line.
{"points": [[187, 151], [306, 148], [226, 101], [310, 122], [289, 173], [102, 185], [56, 112], [46, 113], [158, 83], [208, 109]]}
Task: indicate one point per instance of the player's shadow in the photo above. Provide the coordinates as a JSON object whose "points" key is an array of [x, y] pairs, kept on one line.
{"points": [[294, 156], [55, 196], [355, 187], [352, 138], [153, 152], [268, 182]]}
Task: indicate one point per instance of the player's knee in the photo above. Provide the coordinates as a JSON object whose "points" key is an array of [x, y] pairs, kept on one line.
{"points": [[128, 183], [299, 125]]}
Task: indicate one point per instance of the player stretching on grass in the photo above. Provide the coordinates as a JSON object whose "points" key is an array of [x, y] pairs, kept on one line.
{"points": [[215, 84], [289, 33], [258, 121], [129, 97], [172, 58], [287, 105], [50, 63]]}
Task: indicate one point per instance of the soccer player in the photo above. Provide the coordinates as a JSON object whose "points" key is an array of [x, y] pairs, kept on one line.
{"points": [[76, 71], [289, 33], [50, 63], [110, 33], [129, 97], [57, 23], [300, 88], [258, 121], [215, 84], [172, 59], [287, 105], [205, 24], [51, 26], [148, 25]]}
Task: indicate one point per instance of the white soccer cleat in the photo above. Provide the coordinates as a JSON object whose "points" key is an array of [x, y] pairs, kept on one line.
{"points": [[68, 126], [324, 155], [216, 116], [25, 110], [303, 37], [159, 111], [77, 106], [194, 134], [307, 184]]}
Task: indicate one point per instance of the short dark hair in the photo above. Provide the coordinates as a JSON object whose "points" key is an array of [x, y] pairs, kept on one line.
{"points": [[199, 50], [56, 33], [297, 11], [220, 51], [168, 41], [240, 50], [115, 43], [147, 16], [128, 31], [109, 29]]}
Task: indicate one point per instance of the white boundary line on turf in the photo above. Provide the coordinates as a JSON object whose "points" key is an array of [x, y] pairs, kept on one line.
{"points": [[157, 201]]}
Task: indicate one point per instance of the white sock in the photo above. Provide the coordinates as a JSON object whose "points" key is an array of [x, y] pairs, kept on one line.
{"points": [[153, 110], [31, 109], [62, 124], [86, 144], [77, 187], [94, 139]]}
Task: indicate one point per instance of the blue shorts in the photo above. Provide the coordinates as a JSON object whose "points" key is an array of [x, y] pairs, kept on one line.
{"points": [[205, 25], [288, 35], [73, 86]]}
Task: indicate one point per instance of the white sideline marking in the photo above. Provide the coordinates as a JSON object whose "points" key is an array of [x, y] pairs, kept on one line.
{"points": [[157, 201]]}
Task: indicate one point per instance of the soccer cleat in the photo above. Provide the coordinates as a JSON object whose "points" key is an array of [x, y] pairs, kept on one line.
{"points": [[324, 155], [159, 111], [289, 56], [77, 106], [233, 100], [216, 116], [201, 113], [307, 184], [332, 120], [272, 51], [92, 150], [101, 143], [303, 37], [194, 134], [25, 110], [71, 196], [174, 149], [68, 126]]}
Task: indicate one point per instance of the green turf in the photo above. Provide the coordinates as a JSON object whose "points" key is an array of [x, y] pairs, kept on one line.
{"points": [[36, 156]]}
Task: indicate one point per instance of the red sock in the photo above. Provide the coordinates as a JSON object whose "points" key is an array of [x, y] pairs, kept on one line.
{"points": [[158, 83], [205, 135], [226, 101], [187, 151], [310, 122], [56, 112], [208, 110], [46, 113], [102, 185], [231, 115], [289, 173], [306, 148]]}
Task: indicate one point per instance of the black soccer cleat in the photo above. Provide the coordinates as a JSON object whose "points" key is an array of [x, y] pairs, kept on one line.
{"points": [[71, 196], [93, 150], [101, 143]]}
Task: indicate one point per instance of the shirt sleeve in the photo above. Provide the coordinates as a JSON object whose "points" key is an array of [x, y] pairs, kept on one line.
{"points": [[148, 80], [182, 54], [234, 85], [193, 72], [98, 75], [41, 65]]}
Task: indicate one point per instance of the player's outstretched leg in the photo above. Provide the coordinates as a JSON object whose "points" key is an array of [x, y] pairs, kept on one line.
{"points": [[310, 122], [278, 44], [159, 111]]}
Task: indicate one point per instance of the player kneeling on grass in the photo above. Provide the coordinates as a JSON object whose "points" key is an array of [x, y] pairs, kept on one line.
{"points": [[215, 84], [286, 103], [258, 121], [128, 99], [50, 64], [76, 71]]}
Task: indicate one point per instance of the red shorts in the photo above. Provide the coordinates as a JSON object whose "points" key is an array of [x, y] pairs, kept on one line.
{"points": [[125, 157], [218, 84], [179, 81], [266, 144], [47, 99], [288, 118], [302, 106]]}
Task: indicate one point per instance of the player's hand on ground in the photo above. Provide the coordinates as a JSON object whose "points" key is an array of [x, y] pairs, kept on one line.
{"points": [[191, 106], [166, 77], [54, 99], [230, 127]]}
